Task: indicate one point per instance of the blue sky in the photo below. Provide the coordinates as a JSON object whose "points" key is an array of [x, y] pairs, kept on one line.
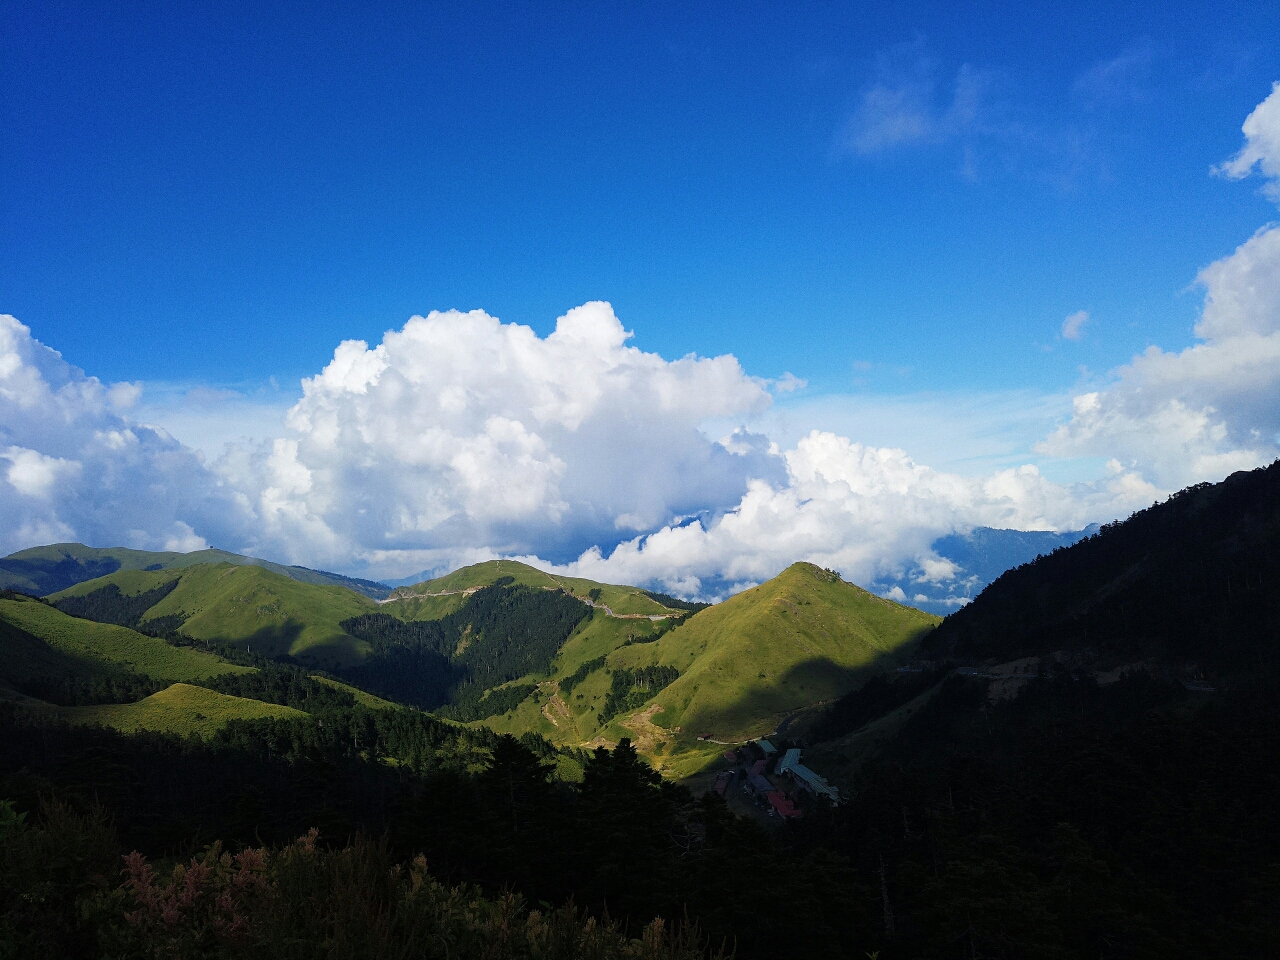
{"points": [[900, 206], [222, 196]]}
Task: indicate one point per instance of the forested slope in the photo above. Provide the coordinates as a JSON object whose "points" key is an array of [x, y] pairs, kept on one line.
{"points": [[1196, 578]]}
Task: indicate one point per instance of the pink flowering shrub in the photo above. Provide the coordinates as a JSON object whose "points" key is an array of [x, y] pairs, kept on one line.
{"points": [[307, 902]]}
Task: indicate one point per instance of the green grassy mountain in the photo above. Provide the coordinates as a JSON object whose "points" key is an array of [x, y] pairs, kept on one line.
{"points": [[734, 671], [180, 708], [475, 645], [45, 570], [43, 649], [804, 637], [523, 651], [432, 599], [249, 607], [38, 640]]}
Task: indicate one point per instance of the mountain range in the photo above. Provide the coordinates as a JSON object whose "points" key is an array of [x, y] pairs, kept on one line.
{"points": [[1077, 763]]}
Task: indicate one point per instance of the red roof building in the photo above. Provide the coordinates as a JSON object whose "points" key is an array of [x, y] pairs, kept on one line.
{"points": [[781, 805]]}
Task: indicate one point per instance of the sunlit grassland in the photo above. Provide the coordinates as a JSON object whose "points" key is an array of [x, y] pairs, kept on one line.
{"points": [[251, 608], [181, 708], [804, 637], [89, 643], [620, 599]]}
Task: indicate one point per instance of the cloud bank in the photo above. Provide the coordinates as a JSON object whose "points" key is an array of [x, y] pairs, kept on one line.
{"points": [[75, 465], [867, 512]]}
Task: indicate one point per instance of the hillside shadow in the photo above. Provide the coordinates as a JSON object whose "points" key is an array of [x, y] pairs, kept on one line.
{"points": [[273, 641], [24, 657], [805, 687], [48, 576]]}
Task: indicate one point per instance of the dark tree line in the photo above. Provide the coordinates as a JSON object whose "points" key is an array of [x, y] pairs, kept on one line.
{"points": [[675, 603], [109, 605], [285, 684], [878, 696], [584, 670], [112, 686], [471, 701], [630, 688], [1134, 820], [623, 841], [501, 633]]}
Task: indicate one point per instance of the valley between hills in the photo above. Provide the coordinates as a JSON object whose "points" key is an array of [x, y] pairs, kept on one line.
{"points": [[1071, 760], [498, 644]]}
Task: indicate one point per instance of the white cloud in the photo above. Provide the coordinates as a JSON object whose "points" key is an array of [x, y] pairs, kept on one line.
{"points": [[1214, 407], [211, 419], [967, 432], [77, 469], [459, 438], [461, 430], [1123, 78], [1073, 326], [182, 539], [1261, 146], [864, 511], [35, 475], [902, 106], [787, 383]]}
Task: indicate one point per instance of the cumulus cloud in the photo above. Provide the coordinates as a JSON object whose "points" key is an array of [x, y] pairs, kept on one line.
{"points": [[72, 467], [1073, 326], [459, 438], [35, 475], [1261, 146], [1210, 409], [864, 511], [461, 430]]}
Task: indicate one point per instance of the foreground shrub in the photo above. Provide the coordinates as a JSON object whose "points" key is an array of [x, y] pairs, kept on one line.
{"points": [[307, 902]]}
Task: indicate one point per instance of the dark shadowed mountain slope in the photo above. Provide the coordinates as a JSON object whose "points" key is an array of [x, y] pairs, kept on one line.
{"points": [[46, 570], [1194, 579], [979, 557]]}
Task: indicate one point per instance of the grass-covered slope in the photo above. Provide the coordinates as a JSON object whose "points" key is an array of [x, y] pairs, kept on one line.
{"points": [[408, 602], [249, 607], [37, 640], [803, 637], [181, 708], [45, 570]]}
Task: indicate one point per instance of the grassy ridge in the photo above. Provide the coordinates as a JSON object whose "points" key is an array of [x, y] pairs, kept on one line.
{"points": [[181, 708], [803, 637], [44, 570], [252, 607], [622, 600], [769, 653], [362, 698], [75, 646]]}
